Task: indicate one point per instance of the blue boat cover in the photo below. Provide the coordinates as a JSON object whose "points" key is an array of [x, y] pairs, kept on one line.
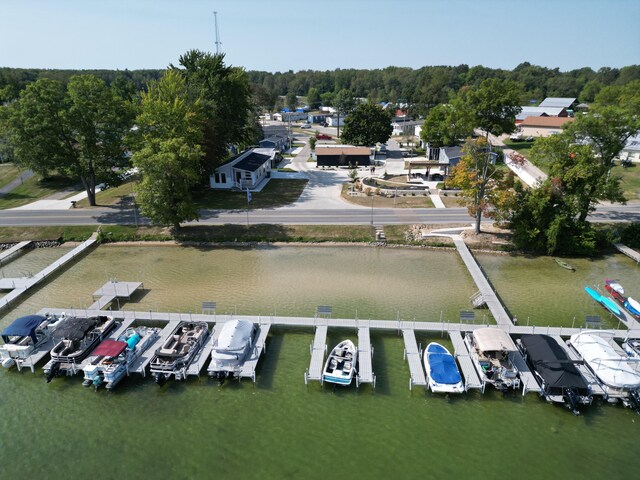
{"points": [[442, 365], [23, 326]]}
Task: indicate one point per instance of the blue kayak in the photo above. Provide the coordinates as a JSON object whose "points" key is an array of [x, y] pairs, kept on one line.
{"points": [[595, 295], [605, 301]]}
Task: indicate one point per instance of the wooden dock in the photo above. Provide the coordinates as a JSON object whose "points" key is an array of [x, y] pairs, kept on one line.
{"points": [[461, 353], [318, 350], [13, 250], [629, 252], [365, 356], [413, 355]]}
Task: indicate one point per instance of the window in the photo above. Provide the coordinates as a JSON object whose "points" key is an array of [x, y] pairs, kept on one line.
{"points": [[220, 178]]}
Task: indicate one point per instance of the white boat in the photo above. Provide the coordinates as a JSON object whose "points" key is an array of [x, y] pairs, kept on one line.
{"points": [[442, 372], [78, 336], [25, 335], [617, 374], [492, 352], [632, 348], [178, 351], [112, 359], [231, 348], [341, 364]]}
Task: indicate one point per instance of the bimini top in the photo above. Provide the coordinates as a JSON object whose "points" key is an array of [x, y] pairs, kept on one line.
{"points": [[110, 348], [76, 328], [493, 340], [234, 335], [442, 366], [611, 368], [553, 364], [23, 327]]}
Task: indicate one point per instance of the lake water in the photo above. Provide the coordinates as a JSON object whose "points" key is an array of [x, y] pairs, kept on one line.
{"points": [[279, 428]]}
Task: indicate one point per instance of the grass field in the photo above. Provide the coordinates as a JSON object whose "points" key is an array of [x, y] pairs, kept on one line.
{"points": [[36, 188], [9, 172], [110, 196], [630, 180], [277, 193]]}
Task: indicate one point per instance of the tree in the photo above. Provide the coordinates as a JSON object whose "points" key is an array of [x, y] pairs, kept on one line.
{"points": [[313, 98], [495, 104], [483, 185], [292, 100], [367, 125], [169, 151], [312, 143], [343, 103], [78, 131], [447, 124]]}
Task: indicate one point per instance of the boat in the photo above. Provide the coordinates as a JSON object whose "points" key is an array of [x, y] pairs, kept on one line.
{"points": [[632, 306], [565, 265], [492, 352], [341, 364], [615, 289], [26, 334], [77, 338], [632, 348], [231, 348], [442, 372], [557, 374], [178, 351], [616, 373], [113, 359], [604, 301]]}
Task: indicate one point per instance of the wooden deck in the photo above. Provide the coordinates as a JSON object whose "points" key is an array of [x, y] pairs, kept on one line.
{"points": [[471, 378], [414, 358], [365, 356]]}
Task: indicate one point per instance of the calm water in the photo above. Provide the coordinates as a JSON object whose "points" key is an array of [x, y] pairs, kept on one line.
{"points": [[278, 428]]}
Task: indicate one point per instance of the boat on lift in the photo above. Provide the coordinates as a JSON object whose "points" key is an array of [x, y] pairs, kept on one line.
{"points": [[25, 334], [341, 364], [231, 348], [178, 351], [77, 339], [442, 372], [615, 289], [112, 359], [632, 306], [492, 352]]}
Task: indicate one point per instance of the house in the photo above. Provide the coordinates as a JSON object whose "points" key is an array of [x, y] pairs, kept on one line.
{"points": [[404, 125], [274, 155], [440, 160], [631, 151], [246, 170], [289, 116], [277, 142], [543, 126], [568, 103], [317, 117], [342, 156], [335, 121], [540, 112]]}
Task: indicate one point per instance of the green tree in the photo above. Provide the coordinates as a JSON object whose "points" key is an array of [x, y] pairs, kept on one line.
{"points": [[343, 103], [495, 104], [313, 98], [447, 124], [312, 143], [78, 131], [292, 100], [169, 152], [366, 125]]}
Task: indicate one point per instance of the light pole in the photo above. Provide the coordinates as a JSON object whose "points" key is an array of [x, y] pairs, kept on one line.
{"points": [[373, 195]]}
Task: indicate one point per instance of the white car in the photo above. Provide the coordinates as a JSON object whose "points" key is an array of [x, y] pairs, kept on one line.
{"points": [[306, 125]]}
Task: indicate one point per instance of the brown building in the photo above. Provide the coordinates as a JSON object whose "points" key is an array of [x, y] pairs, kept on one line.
{"points": [[543, 126], [342, 156]]}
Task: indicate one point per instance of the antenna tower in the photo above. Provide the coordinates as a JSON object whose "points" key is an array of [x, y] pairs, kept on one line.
{"points": [[218, 42]]}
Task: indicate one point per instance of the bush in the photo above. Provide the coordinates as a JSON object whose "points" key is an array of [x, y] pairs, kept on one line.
{"points": [[630, 236]]}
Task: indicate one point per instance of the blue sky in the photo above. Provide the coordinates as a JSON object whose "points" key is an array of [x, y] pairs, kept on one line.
{"points": [[280, 35]]}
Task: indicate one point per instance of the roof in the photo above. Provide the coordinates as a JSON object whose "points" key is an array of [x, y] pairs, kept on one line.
{"points": [[611, 368], [342, 150], [110, 348], [552, 363], [633, 143], [547, 122], [234, 335], [76, 328], [274, 138], [252, 162], [453, 152], [539, 111], [493, 340], [23, 327], [557, 102]]}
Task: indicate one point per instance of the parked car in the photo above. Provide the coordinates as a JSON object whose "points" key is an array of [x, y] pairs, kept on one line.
{"points": [[516, 137], [306, 125], [323, 136]]}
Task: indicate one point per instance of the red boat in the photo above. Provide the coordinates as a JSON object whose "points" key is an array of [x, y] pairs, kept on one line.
{"points": [[615, 289]]}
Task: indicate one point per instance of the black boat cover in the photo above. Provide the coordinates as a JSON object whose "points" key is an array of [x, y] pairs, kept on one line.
{"points": [[76, 328], [553, 364], [23, 327]]}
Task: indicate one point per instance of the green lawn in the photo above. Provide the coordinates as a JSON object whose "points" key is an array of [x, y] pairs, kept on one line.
{"points": [[9, 172], [277, 193], [630, 180], [36, 188], [110, 196]]}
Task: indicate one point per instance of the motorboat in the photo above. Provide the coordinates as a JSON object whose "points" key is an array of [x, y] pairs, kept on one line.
{"points": [[632, 348], [615, 289], [442, 372], [231, 348], [26, 334], [78, 336], [113, 359], [341, 364], [557, 374], [178, 351], [632, 306], [492, 352], [604, 301], [617, 374]]}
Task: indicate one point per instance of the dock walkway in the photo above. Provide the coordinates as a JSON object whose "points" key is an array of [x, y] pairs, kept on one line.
{"points": [[248, 369], [112, 291], [365, 356], [140, 365], [461, 352], [15, 249], [490, 298], [629, 252], [528, 379], [414, 358], [318, 351]]}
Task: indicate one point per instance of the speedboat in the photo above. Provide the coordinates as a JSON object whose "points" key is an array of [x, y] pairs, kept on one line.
{"points": [[560, 379], [442, 372], [632, 348], [178, 351], [604, 301], [615, 289], [231, 348], [492, 352], [77, 338], [112, 359], [632, 306], [25, 335], [341, 364], [616, 373]]}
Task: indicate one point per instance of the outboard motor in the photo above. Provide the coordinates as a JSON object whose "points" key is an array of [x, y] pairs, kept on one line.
{"points": [[53, 371], [221, 376], [159, 378], [571, 400], [634, 400]]}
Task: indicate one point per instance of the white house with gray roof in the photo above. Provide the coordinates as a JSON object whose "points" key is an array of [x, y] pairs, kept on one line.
{"points": [[246, 170]]}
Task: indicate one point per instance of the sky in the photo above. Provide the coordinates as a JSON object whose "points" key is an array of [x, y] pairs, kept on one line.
{"points": [[282, 35]]}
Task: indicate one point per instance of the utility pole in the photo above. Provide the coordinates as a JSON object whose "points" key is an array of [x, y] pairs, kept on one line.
{"points": [[218, 42]]}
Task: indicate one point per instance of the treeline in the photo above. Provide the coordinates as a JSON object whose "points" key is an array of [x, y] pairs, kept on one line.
{"points": [[424, 87]]}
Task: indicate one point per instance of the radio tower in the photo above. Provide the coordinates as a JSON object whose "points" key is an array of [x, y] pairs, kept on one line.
{"points": [[218, 42]]}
